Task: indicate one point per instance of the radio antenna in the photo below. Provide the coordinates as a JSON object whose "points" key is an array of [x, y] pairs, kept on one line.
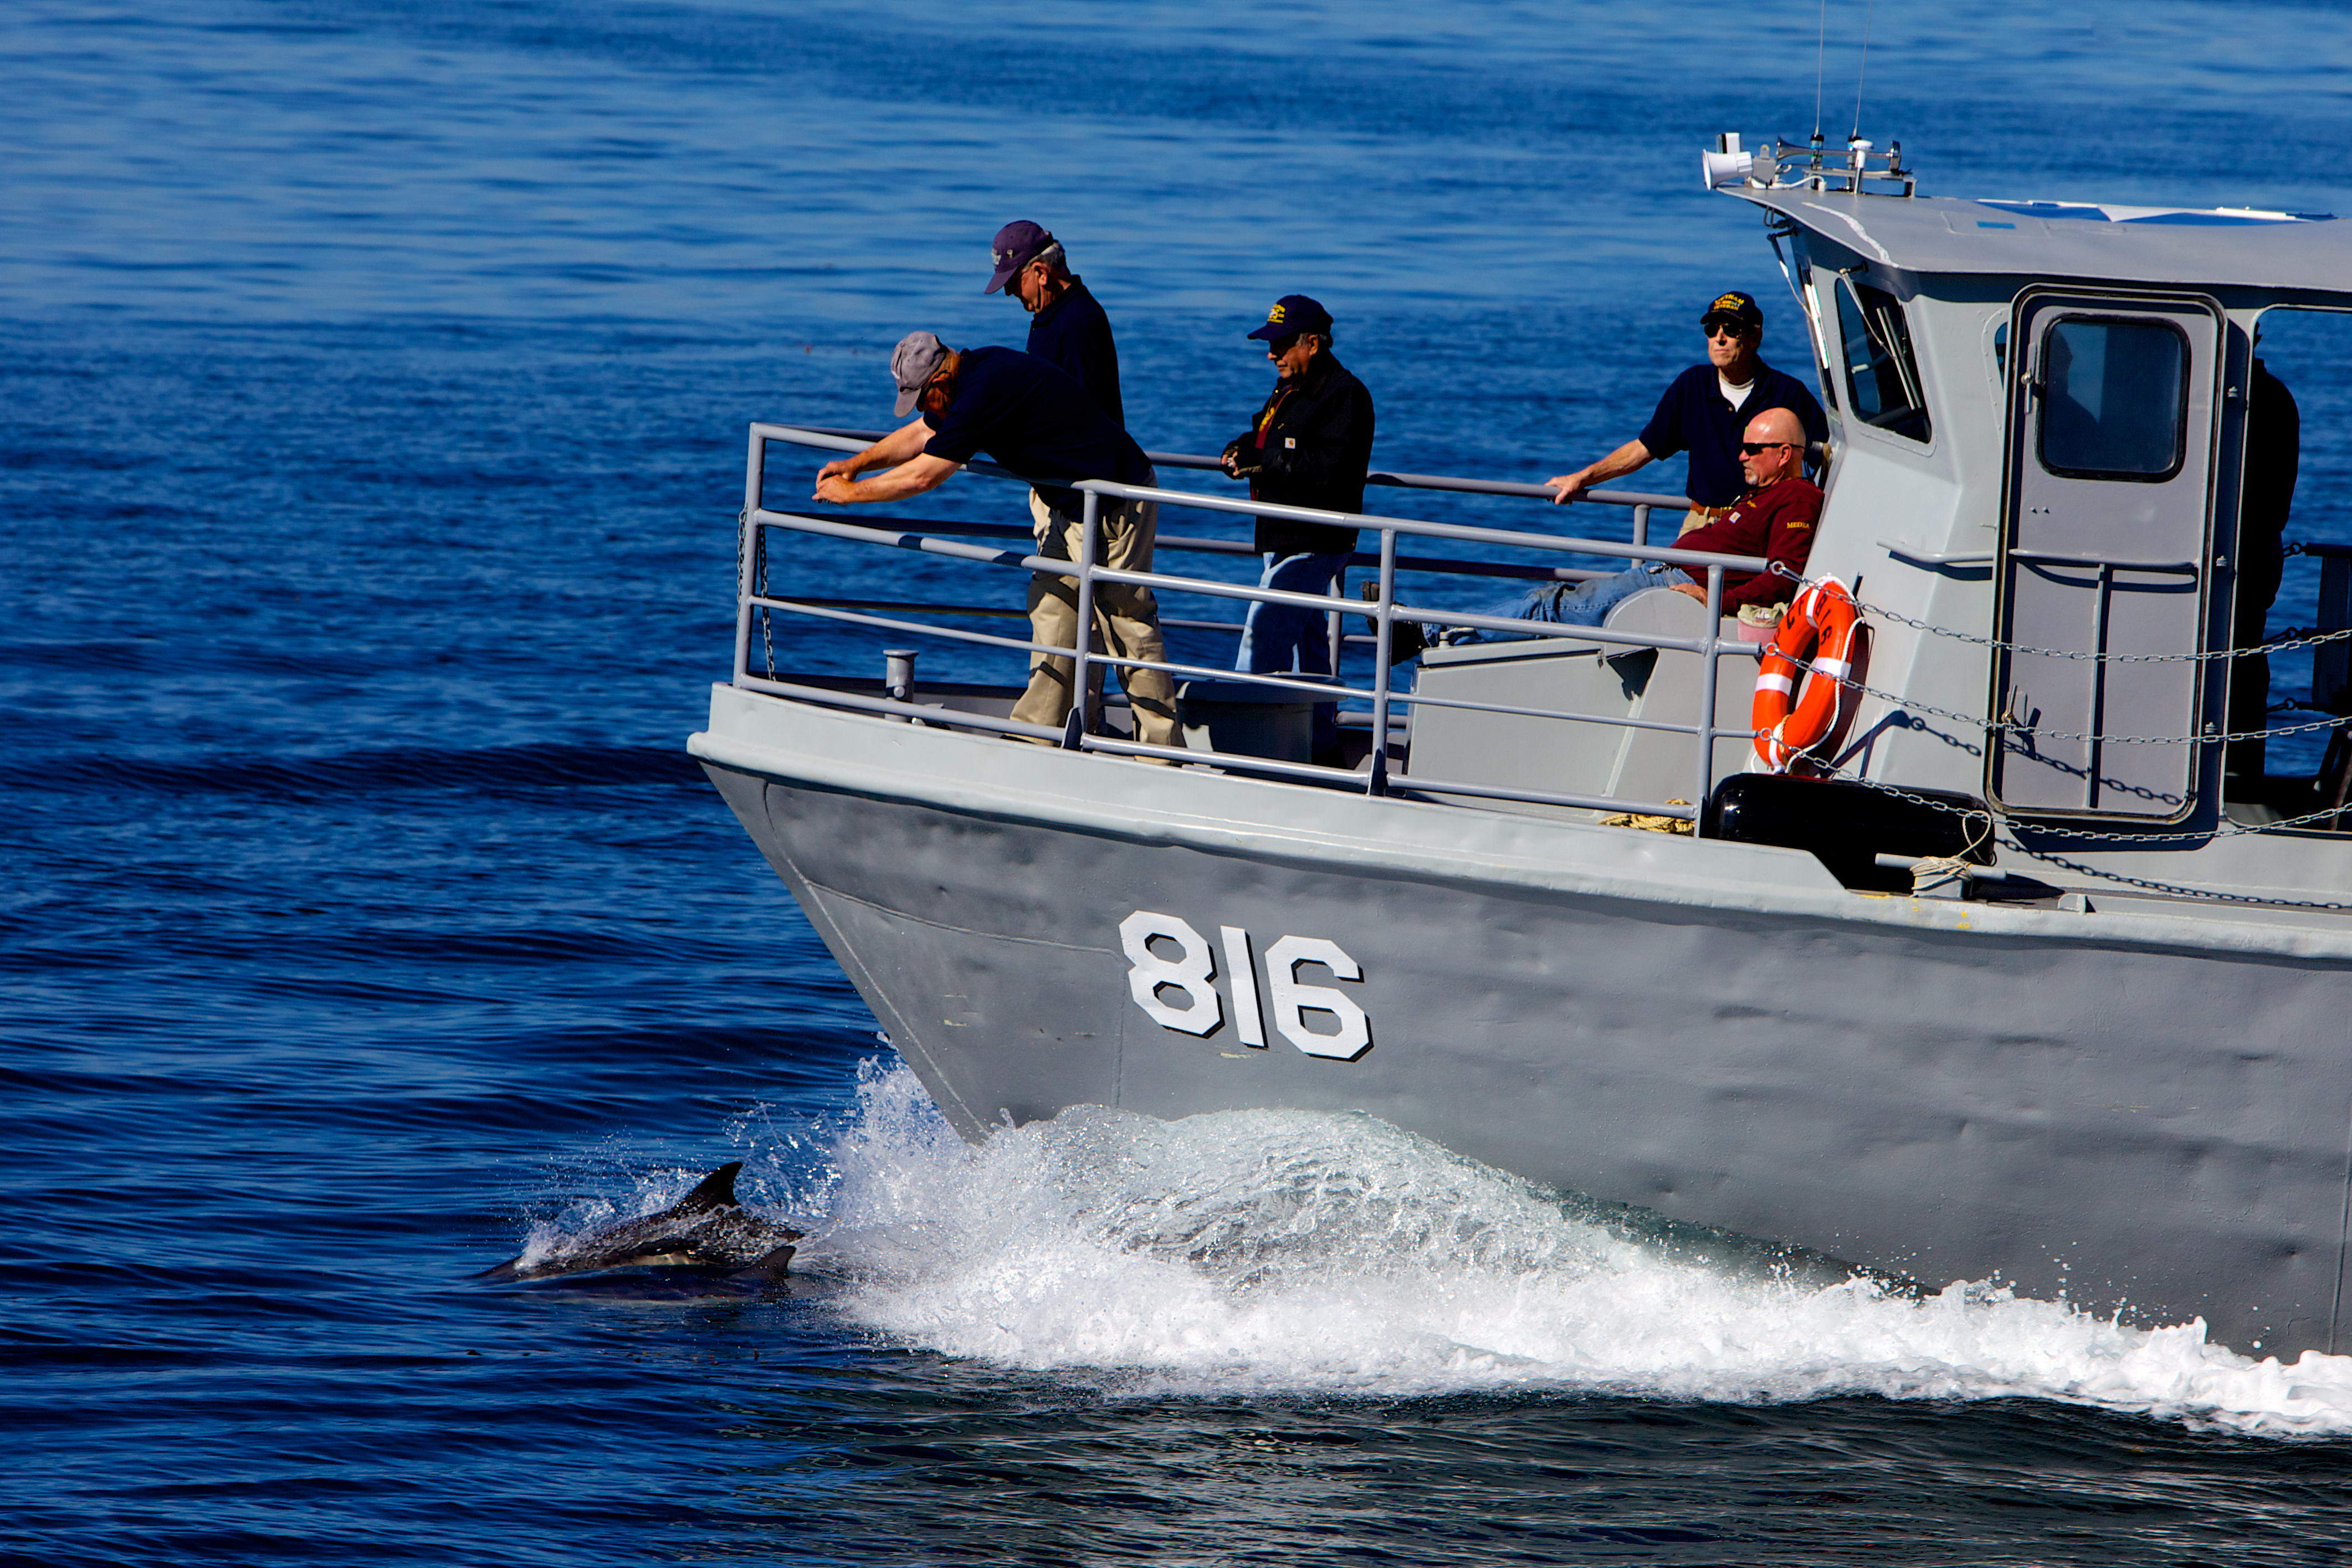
{"points": [[1860, 69], [1821, 44]]}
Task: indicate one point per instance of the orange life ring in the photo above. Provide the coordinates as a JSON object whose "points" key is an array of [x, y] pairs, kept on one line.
{"points": [[1818, 627]]}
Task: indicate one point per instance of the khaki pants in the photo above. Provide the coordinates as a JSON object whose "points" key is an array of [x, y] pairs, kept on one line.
{"points": [[1126, 616]]}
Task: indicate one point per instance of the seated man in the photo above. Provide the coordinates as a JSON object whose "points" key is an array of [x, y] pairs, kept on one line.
{"points": [[1773, 518]]}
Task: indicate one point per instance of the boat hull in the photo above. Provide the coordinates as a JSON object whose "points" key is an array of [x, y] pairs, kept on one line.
{"points": [[2142, 1114]]}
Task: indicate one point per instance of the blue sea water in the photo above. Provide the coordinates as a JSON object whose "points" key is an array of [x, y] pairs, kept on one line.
{"points": [[373, 383]]}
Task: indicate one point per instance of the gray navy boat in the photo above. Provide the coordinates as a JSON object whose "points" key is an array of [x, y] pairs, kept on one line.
{"points": [[2022, 972]]}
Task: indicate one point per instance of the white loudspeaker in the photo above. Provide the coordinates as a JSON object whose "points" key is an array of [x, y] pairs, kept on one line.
{"points": [[1722, 168]]}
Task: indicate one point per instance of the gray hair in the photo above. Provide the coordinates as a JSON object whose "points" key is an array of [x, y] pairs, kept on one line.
{"points": [[1057, 261]]}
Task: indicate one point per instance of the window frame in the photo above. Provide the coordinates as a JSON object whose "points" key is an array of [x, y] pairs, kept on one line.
{"points": [[1901, 354], [2041, 389]]}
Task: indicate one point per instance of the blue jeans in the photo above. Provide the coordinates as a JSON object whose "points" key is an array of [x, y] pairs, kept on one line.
{"points": [[1285, 639], [1585, 604]]}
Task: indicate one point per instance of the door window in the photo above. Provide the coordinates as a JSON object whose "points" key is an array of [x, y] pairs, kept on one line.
{"points": [[2114, 399]]}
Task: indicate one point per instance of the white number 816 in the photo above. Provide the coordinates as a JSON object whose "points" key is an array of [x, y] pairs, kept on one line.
{"points": [[1179, 993]]}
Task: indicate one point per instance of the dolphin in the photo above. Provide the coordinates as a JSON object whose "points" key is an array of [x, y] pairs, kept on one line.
{"points": [[766, 1279], [708, 1230]]}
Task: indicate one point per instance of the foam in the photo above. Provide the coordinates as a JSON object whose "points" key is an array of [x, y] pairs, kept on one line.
{"points": [[1298, 1251]]}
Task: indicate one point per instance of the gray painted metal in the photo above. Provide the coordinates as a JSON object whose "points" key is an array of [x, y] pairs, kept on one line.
{"points": [[2139, 1111], [1947, 235], [1485, 712], [2105, 565]]}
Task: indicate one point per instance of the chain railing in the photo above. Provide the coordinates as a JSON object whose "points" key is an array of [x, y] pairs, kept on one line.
{"points": [[2282, 643], [947, 541]]}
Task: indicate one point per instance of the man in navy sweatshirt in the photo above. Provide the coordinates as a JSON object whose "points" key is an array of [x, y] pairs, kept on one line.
{"points": [[1707, 410]]}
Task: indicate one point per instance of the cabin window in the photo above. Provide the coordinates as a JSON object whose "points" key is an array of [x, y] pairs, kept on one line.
{"points": [[2115, 398], [1882, 377]]}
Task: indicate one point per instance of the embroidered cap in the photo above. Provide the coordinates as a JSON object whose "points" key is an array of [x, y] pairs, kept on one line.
{"points": [[1734, 307], [1295, 313]]}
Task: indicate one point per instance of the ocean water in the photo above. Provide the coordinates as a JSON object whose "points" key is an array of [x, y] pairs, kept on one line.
{"points": [[373, 381]]}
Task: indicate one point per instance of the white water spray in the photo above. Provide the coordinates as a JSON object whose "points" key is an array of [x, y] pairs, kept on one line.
{"points": [[1292, 1250]]}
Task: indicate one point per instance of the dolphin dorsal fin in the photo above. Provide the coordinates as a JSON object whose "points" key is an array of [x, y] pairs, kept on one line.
{"points": [[715, 1191]]}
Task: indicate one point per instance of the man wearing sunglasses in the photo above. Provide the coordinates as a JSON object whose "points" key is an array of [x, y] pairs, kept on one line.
{"points": [[1310, 446], [1773, 517], [1704, 412]]}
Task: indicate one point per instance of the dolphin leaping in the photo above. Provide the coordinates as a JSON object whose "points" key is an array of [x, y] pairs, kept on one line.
{"points": [[706, 1229]]}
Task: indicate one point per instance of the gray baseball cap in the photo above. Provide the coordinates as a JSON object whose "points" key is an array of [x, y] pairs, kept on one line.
{"points": [[915, 361]]}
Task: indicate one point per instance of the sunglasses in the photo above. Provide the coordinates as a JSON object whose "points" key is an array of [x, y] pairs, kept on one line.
{"points": [[1732, 330], [1752, 448]]}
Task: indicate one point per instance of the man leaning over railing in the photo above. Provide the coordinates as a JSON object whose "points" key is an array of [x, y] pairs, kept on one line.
{"points": [[1037, 422]]}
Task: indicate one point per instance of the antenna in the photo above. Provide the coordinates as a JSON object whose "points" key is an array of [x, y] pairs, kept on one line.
{"points": [[1821, 44], [1859, 69]]}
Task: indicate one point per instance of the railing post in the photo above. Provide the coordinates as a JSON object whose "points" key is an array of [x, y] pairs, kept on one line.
{"points": [[1707, 680], [1081, 681], [747, 540], [1332, 629], [1377, 782], [1642, 525]]}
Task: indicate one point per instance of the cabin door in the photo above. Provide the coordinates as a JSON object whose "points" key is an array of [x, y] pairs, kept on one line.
{"points": [[2105, 552]]}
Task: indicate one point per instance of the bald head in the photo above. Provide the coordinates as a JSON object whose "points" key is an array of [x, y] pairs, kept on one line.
{"points": [[1774, 449]]}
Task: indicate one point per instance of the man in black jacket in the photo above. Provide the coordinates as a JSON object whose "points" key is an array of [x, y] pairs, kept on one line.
{"points": [[1310, 446]]}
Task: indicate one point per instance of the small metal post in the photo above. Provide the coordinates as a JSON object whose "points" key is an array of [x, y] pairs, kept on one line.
{"points": [[746, 551], [899, 678], [1707, 678], [1337, 588], [1642, 525], [1081, 677], [2099, 687], [1377, 782]]}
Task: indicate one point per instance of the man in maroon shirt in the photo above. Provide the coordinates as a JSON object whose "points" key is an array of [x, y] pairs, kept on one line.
{"points": [[1773, 518]]}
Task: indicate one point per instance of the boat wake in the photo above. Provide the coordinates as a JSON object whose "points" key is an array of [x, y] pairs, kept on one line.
{"points": [[1295, 1251]]}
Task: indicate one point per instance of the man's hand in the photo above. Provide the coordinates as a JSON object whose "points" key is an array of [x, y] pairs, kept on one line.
{"points": [[1565, 485], [1689, 589], [846, 468], [834, 484]]}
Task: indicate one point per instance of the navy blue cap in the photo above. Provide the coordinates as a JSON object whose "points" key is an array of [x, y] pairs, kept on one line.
{"points": [[1295, 313], [1733, 307]]}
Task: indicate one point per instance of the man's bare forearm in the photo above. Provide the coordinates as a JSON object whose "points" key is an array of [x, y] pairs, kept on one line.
{"points": [[893, 449], [917, 474], [1632, 455]]}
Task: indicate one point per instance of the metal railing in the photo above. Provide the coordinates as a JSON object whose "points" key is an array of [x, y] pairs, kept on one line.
{"points": [[755, 602]]}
